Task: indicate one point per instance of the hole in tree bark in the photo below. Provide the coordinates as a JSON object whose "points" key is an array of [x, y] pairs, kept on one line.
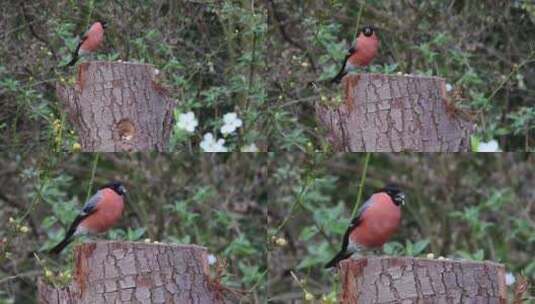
{"points": [[126, 129]]}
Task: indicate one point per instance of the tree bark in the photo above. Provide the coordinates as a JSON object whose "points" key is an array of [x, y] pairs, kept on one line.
{"points": [[389, 113], [118, 106], [133, 272], [378, 280]]}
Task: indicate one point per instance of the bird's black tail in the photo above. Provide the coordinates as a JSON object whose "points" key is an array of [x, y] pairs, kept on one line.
{"points": [[73, 60], [59, 247], [342, 255], [69, 236], [339, 77], [343, 71], [75, 55]]}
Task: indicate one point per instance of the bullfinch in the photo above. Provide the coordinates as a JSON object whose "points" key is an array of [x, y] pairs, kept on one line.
{"points": [[361, 54], [99, 214], [90, 41], [374, 224]]}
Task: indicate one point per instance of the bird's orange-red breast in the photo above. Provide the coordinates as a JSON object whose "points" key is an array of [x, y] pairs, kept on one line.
{"points": [[90, 41], [100, 213], [93, 38], [107, 212], [362, 53], [377, 220], [366, 47]]}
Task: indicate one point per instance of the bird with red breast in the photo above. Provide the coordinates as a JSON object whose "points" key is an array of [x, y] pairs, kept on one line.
{"points": [[99, 214], [361, 54], [376, 221], [90, 41]]}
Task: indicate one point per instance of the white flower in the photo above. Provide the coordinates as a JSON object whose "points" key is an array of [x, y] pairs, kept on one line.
{"points": [[231, 123], [211, 259], [211, 144], [491, 146], [187, 121], [448, 87], [250, 148], [509, 279]]}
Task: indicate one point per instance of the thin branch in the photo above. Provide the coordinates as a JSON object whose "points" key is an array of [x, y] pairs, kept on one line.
{"points": [[358, 19], [287, 37], [361, 184], [93, 170]]}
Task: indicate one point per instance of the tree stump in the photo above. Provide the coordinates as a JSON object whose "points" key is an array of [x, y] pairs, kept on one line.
{"points": [[118, 106], [389, 113], [377, 280], [134, 272]]}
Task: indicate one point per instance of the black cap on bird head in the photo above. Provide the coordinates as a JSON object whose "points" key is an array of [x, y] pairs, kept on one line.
{"points": [[118, 187], [394, 192], [368, 30]]}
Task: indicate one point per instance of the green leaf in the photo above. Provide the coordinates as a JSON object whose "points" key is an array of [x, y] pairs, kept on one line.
{"points": [[420, 246], [239, 247], [134, 234], [251, 274], [318, 255], [393, 248], [49, 221], [308, 232]]}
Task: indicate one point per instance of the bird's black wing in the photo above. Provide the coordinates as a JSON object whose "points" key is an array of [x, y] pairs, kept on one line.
{"points": [[82, 40], [88, 209], [91, 204], [75, 54], [355, 222], [343, 71], [343, 253], [69, 235]]}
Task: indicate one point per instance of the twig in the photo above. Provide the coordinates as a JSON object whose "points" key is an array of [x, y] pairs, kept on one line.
{"points": [[287, 37], [521, 287], [361, 184], [297, 281], [299, 197], [93, 170], [513, 71], [358, 19], [30, 23], [20, 275]]}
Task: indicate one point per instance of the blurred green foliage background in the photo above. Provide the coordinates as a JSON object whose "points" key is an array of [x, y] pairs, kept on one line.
{"points": [[269, 61], [461, 206], [210, 54], [216, 201], [485, 47]]}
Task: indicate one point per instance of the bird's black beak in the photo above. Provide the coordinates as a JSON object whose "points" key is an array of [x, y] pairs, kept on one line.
{"points": [[104, 24]]}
